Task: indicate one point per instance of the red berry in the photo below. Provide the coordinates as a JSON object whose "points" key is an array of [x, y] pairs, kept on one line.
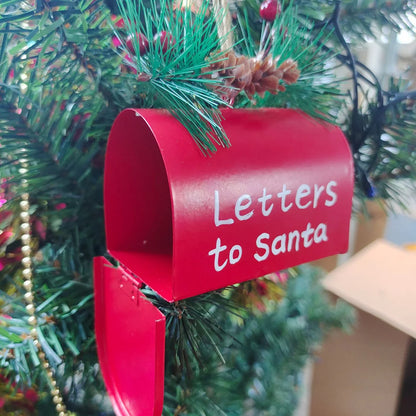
{"points": [[129, 44], [269, 9], [165, 39], [5, 236], [31, 395], [143, 44]]}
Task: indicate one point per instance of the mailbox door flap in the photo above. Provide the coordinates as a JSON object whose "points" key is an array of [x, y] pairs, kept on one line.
{"points": [[130, 335]]}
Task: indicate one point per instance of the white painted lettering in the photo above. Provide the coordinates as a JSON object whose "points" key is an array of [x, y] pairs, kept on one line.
{"points": [[285, 192], [331, 193], [243, 203], [320, 234], [262, 246], [282, 246], [217, 220], [239, 251], [292, 236], [307, 236], [263, 199], [303, 191], [317, 193], [216, 253]]}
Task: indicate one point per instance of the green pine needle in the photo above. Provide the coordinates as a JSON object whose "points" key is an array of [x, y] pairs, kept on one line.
{"points": [[173, 74]]}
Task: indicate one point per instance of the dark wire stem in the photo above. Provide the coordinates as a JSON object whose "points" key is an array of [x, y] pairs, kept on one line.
{"points": [[375, 83], [375, 127], [401, 96], [4, 45], [354, 121]]}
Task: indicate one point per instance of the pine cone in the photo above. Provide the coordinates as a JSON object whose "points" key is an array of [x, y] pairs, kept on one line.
{"points": [[290, 71], [253, 75], [234, 73], [265, 77]]}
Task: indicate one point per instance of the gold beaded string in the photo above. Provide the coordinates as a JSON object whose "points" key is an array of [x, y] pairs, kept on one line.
{"points": [[29, 298]]}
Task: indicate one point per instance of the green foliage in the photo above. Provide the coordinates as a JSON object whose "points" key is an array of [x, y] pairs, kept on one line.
{"points": [[173, 66], [57, 104], [377, 122], [361, 19], [264, 355], [364, 19], [387, 148], [62, 83], [317, 90]]}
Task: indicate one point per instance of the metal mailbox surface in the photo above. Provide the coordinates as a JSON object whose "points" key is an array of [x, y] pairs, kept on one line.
{"points": [[130, 334], [186, 223]]}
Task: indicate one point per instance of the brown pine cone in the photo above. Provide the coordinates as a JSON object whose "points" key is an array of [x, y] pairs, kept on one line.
{"points": [[253, 75], [265, 77], [235, 73], [290, 71]]}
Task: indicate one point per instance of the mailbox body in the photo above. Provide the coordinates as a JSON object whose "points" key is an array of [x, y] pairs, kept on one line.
{"points": [[186, 223]]}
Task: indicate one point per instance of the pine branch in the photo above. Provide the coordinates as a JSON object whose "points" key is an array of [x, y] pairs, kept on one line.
{"points": [[362, 19], [194, 329], [385, 153], [172, 63], [316, 92], [334, 21], [65, 323], [56, 66], [263, 355], [56, 121], [42, 150], [367, 123], [73, 37]]}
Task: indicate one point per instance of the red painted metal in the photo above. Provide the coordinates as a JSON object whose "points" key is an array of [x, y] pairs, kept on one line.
{"points": [[187, 224], [130, 334]]}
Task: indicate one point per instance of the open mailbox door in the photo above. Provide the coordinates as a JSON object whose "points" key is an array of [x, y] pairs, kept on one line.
{"points": [[130, 341], [184, 224]]}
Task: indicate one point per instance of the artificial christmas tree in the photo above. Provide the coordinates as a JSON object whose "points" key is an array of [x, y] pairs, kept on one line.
{"points": [[67, 70]]}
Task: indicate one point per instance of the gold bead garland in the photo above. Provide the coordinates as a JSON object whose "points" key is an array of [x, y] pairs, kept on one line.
{"points": [[29, 297]]}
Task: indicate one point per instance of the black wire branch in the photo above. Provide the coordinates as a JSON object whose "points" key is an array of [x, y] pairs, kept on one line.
{"points": [[376, 82], [354, 120], [343, 59], [372, 122], [394, 99], [401, 96]]}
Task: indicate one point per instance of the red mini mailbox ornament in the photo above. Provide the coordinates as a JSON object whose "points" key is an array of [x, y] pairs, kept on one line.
{"points": [[184, 224]]}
